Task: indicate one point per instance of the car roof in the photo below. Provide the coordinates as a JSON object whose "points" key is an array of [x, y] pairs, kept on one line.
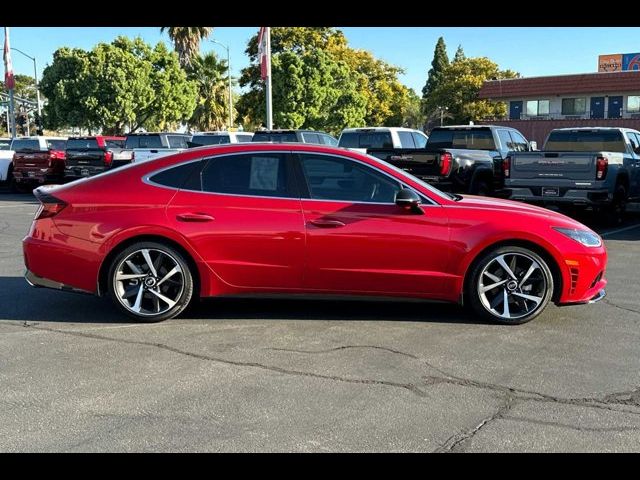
{"points": [[220, 132], [157, 133], [381, 129], [291, 131]]}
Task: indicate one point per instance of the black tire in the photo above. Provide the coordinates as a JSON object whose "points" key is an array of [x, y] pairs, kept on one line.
{"points": [[482, 188], [615, 213], [541, 286], [181, 295]]}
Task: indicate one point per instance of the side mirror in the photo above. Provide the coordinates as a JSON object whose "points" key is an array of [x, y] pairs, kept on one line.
{"points": [[533, 146], [409, 200]]}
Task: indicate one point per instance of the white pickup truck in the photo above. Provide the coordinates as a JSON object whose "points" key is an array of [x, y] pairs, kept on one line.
{"points": [[6, 160], [147, 146]]}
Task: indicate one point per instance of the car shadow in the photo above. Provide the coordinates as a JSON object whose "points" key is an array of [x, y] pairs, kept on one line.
{"points": [[7, 196], [23, 303]]}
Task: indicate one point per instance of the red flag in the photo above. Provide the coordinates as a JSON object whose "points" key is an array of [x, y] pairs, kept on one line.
{"points": [[262, 53], [9, 82]]}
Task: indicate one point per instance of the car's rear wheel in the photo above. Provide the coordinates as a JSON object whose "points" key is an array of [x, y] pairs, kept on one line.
{"points": [[150, 282], [510, 285]]}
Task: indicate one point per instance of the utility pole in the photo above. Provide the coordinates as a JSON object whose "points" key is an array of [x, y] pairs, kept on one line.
{"points": [[35, 77]]}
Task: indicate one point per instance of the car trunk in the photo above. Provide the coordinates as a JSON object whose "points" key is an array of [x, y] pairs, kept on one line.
{"points": [[419, 163], [86, 161], [567, 165], [31, 163]]}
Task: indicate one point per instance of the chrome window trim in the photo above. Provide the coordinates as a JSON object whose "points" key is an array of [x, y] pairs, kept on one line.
{"points": [[147, 179]]}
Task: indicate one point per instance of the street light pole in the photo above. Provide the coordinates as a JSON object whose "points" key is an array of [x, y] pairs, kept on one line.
{"points": [[35, 73], [229, 78]]}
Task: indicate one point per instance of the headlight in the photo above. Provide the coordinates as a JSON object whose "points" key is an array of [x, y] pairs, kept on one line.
{"points": [[585, 237]]}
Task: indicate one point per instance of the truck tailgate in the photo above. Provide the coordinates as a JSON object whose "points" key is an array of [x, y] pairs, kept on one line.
{"points": [[560, 165], [418, 162]]}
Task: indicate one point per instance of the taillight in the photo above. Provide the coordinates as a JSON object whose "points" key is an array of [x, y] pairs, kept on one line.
{"points": [[52, 159], [445, 162], [506, 167], [602, 164], [50, 206], [108, 158]]}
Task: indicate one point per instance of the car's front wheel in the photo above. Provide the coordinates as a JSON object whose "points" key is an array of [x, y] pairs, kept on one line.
{"points": [[510, 285], [150, 282]]}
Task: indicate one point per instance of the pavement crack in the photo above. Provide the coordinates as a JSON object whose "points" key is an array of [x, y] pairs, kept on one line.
{"points": [[458, 441], [610, 303], [272, 368], [345, 347]]}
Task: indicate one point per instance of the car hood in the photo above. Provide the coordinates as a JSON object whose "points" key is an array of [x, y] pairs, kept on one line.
{"points": [[493, 204]]}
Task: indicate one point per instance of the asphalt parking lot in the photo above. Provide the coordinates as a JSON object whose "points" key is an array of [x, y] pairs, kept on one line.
{"points": [[312, 376]]}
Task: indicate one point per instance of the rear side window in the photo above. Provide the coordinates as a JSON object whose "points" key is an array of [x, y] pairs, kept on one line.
{"points": [[259, 174], [177, 141], [309, 137], [186, 176], [585, 141], [114, 143], [419, 139], [26, 144], [464, 138], [199, 140], [328, 140], [56, 144], [288, 137], [243, 138], [406, 140], [143, 141], [82, 144], [366, 140]]}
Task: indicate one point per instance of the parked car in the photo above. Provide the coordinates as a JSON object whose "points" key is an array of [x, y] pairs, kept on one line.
{"points": [[293, 218], [87, 156], [147, 146], [38, 160], [294, 136], [460, 158], [216, 138], [597, 167], [381, 138], [6, 162]]}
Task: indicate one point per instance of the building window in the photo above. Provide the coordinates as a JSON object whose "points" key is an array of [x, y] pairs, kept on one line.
{"points": [[537, 107], [574, 106], [633, 103]]}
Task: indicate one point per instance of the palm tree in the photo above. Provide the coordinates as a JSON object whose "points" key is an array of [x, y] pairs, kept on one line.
{"points": [[186, 41], [210, 75]]}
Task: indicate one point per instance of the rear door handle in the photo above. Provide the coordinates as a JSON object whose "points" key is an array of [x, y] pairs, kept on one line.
{"points": [[194, 217], [326, 223]]}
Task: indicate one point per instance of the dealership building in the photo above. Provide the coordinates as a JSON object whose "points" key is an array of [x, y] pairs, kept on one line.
{"points": [[536, 105]]}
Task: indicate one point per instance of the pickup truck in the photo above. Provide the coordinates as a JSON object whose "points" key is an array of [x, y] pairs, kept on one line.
{"points": [[147, 146], [38, 160], [459, 158], [381, 139], [6, 162], [88, 156], [596, 167]]}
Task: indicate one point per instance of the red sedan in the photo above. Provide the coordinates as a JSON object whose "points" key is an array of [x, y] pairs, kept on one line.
{"points": [[294, 218]]}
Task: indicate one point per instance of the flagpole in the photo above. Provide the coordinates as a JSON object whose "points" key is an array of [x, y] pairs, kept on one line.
{"points": [[268, 85], [12, 123]]}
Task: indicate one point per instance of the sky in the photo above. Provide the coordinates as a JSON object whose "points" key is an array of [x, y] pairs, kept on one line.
{"points": [[532, 51]]}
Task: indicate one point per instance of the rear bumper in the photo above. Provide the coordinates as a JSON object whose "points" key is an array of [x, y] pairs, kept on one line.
{"points": [[40, 282], [37, 177], [577, 197]]}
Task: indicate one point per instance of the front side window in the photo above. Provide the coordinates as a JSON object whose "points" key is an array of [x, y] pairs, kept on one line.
{"points": [[328, 140], [340, 179], [257, 174], [537, 107], [574, 106], [633, 103]]}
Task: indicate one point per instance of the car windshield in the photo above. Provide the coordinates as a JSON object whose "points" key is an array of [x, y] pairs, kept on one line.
{"points": [[366, 140], [427, 186], [462, 138], [585, 141]]}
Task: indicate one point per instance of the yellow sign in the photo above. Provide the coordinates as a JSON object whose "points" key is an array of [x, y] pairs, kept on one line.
{"points": [[610, 63]]}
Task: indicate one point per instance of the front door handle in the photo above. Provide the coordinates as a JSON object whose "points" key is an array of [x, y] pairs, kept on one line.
{"points": [[194, 217], [326, 223]]}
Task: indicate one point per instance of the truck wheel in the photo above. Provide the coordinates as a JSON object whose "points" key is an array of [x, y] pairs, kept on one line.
{"points": [[510, 285], [615, 213], [480, 188]]}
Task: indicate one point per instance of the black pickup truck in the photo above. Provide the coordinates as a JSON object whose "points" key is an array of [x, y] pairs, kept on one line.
{"points": [[460, 158], [88, 156]]}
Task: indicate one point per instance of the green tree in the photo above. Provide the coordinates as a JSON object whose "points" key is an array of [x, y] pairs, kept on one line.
{"points": [[439, 64], [25, 87], [124, 83], [459, 87], [210, 77], [186, 41], [369, 91], [413, 115], [459, 56]]}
